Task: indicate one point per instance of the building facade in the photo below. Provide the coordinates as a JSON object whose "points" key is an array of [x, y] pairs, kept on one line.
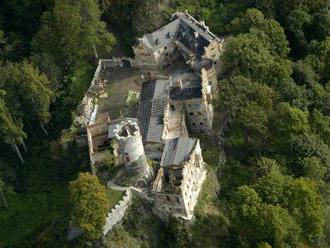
{"points": [[179, 180]]}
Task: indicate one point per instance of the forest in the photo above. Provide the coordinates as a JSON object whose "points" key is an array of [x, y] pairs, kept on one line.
{"points": [[274, 90]]}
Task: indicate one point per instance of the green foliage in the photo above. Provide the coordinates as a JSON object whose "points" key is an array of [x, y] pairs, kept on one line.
{"points": [[290, 120], [259, 222], [286, 121], [10, 131], [64, 28], [27, 90], [276, 91], [267, 30], [90, 204]]}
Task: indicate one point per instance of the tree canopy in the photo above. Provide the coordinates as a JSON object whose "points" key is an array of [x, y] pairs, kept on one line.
{"points": [[90, 204]]}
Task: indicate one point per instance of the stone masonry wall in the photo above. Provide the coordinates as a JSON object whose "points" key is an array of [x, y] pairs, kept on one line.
{"points": [[117, 213], [88, 107]]}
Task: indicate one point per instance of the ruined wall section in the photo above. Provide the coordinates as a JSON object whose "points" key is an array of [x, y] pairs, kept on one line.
{"points": [[87, 109], [182, 201], [117, 213]]}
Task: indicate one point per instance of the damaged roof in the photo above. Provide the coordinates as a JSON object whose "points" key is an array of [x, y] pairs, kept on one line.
{"points": [[177, 93], [191, 33], [151, 109], [177, 151]]}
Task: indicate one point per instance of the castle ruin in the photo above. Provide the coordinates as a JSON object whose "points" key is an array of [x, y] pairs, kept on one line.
{"points": [[180, 67]]}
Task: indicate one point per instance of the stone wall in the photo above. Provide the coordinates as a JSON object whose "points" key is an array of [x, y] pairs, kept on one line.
{"points": [[88, 107], [117, 213]]}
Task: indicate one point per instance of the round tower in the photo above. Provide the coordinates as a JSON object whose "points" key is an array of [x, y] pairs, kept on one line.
{"points": [[129, 139]]}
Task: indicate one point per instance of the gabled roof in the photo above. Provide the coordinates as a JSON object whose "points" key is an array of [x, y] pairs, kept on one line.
{"points": [[151, 109], [192, 34], [177, 151]]}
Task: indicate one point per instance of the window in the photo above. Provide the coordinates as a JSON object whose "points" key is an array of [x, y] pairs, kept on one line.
{"points": [[165, 48], [177, 199], [191, 113], [172, 107], [215, 62], [199, 113], [127, 159], [168, 198], [201, 123], [166, 54], [194, 124]]}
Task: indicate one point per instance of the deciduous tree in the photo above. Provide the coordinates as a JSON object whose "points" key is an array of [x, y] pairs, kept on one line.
{"points": [[90, 204]]}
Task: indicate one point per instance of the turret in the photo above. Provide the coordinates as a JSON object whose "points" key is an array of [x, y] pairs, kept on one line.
{"points": [[127, 134]]}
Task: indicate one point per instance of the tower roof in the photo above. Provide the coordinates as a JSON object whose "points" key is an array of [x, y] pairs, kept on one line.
{"points": [[177, 151]]}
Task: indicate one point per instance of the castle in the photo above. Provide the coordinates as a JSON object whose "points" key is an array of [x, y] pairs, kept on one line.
{"points": [[181, 64]]}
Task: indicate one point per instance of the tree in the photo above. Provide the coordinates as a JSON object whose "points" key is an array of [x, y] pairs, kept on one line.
{"points": [[271, 186], [11, 132], [246, 55], [305, 204], [280, 9], [303, 146], [35, 92], [250, 56], [90, 204], [237, 91], [64, 28], [298, 23], [259, 222], [268, 30], [289, 120], [319, 58], [266, 165], [28, 92], [264, 245], [298, 196], [304, 74], [2, 43], [320, 124], [313, 168], [2, 189], [321, 24], [254, 120]]}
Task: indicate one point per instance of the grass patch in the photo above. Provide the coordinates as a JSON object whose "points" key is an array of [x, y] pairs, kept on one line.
{"points": [[114, 196]]}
